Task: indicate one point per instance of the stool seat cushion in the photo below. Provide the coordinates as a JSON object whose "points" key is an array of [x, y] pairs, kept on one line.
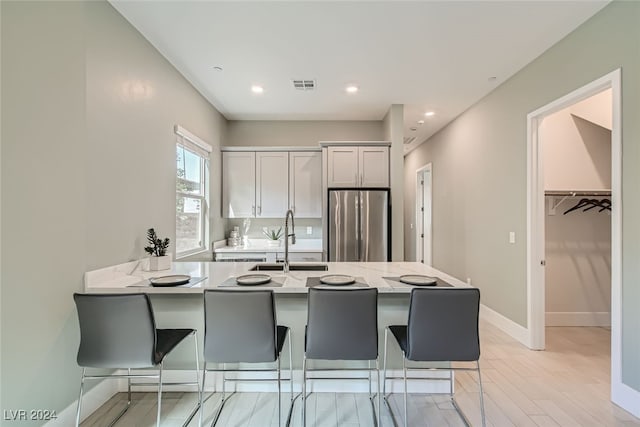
{"points": [[400, 334], [282, 335], [167, 339]]}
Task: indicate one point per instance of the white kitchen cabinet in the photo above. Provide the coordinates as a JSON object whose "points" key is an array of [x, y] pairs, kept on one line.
{"points": [[238, 184], [342, 168], [305, 184], [272, 184], [373, 165], [358, 166]]}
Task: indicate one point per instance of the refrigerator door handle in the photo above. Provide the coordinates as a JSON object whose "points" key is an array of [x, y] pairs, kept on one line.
{"points": [[360, 225]]}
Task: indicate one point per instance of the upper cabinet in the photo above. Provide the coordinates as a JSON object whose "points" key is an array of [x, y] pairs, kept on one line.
{"points": [[272, 184], [305, 184], [238, 184], [358, 166], [265, 184]]}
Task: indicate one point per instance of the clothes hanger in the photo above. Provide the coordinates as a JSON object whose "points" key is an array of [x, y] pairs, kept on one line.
{"points": [[581, 204]]}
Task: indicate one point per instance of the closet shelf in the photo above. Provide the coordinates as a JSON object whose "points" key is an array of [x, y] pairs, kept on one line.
{"points": [[577, 193]]}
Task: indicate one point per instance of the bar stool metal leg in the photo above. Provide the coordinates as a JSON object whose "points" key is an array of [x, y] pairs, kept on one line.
{"points": [[404, 371], [80, 398], [279, 395], [204, 374], [159, 395], [304, 391], [379, 421], [481, 395], [384, 365]]}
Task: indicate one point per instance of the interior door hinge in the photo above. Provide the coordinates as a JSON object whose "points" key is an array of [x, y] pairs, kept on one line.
{"points": [[422, 209], [421, 182], [422, 236], [543, 262]]}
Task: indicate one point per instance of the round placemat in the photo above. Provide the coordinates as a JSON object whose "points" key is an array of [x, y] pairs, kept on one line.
{"points": [[337, 280], [253, 279], [418, 280], [174, 280]]}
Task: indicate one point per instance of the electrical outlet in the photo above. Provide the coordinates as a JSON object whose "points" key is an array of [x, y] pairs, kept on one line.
{"points": [[309, 230], [512, 237]]}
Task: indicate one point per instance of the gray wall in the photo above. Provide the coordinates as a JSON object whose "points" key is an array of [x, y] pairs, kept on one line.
{"points": [[87, 165], [479, 171], [300, 132]]}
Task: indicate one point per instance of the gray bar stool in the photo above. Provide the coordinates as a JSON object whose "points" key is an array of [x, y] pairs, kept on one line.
{"points": [[342, 324], [241, 327], [442, 327], [118, 331]]}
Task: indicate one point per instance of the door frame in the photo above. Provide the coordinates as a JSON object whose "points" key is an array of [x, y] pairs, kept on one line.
{"points": [[420, 226], [620, 393]]}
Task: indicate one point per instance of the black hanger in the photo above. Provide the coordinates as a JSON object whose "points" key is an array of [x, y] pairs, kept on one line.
{"points": [[581, 204]]}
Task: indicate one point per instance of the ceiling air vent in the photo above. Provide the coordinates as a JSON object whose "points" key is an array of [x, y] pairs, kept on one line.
{"points": [[308, 84], [409, 139]]}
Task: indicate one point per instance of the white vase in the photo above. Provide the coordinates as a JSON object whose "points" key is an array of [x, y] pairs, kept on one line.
{"points": [[157, 263], [273, 243]]}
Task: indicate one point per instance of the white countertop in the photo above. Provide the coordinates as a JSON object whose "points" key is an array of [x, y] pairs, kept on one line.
{"points": [[260, 245], [130, 277]]}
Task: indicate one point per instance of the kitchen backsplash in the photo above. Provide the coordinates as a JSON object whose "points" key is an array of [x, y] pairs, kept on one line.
{"points": [[257, 225]]}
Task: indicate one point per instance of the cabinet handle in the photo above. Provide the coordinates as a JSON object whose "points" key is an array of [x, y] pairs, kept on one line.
{"points": [[259, 210], [361, 180], [253, 210], [356, 179]]}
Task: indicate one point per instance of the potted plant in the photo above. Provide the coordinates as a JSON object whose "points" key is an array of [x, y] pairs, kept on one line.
{"points": [[157, 250], [273, 236]]}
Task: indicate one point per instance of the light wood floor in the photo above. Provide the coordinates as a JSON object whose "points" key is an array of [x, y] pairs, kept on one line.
{"points": [[566, 385]]}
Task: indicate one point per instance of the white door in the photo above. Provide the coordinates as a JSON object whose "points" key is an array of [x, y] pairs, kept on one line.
{"points": [[238, 184], [305, 184], [423, 215], [373, 166], [272, 184], [342, 170]]}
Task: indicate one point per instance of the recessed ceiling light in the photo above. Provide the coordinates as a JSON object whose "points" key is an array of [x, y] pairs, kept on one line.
{"points": [[492, 79], [429, 113], [351, 89], [216, 68], [413, 129], [257, 89], [420, 122]]}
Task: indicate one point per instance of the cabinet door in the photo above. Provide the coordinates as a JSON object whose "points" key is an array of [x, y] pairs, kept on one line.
{"points": [[238, 184], [373, 166], [342, 170], [305, 184], [272, 184]]}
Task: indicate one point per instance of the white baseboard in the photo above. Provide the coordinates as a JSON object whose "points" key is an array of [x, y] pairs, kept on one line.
{"points": [[214, 382], [92, 400], [511, 328], [626, 398], [560, 318]]}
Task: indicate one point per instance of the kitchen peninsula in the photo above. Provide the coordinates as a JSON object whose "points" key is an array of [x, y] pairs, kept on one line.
{"points": [[182, 306]]}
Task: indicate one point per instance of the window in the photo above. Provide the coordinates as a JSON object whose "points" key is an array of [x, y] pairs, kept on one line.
{"points": [[192, 194]]}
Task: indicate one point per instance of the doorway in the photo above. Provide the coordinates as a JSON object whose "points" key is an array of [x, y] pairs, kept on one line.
{"points": [[424, 184], [536, 218]]}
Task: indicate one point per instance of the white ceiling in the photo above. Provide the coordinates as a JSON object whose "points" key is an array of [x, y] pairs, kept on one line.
{"points": [[430, 56]]}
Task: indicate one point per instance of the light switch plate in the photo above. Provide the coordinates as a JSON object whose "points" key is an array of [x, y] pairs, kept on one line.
{"points": [[512, 237]]}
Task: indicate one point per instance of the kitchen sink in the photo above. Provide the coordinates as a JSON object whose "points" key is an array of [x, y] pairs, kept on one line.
{"points": [[292, 267]]}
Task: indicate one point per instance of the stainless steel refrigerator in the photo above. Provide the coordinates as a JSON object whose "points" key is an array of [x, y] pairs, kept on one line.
{"points": [[358, 225]]}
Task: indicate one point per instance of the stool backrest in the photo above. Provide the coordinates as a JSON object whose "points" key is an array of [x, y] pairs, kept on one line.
{"points": [[342, 324], [443, 325], [240, 326], [116, 330]]}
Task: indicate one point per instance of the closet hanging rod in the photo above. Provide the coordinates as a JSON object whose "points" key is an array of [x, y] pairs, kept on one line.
{"points": [[594, 193]]}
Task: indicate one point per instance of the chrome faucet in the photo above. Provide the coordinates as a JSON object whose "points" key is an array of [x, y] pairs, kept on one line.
{"points": [[286, 238]]}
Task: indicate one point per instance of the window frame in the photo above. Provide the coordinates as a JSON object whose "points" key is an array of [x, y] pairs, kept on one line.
{"points": [[189, 142]]}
